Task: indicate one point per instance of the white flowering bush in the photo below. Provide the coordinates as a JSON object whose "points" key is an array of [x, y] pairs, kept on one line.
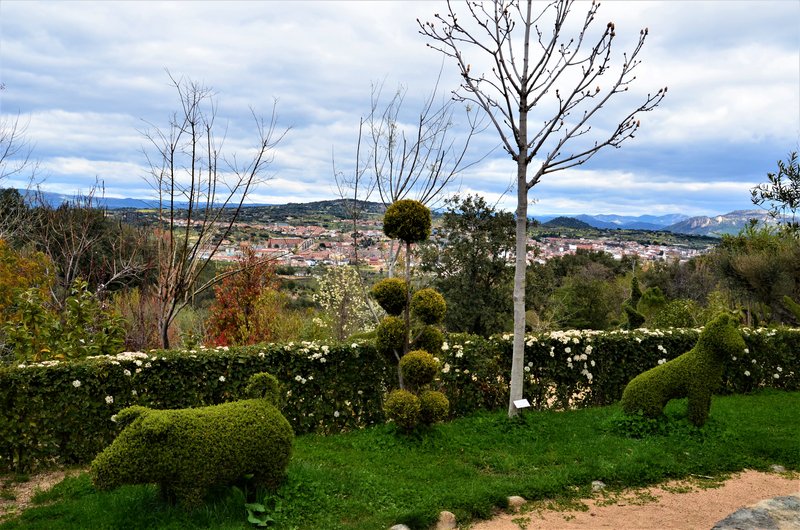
{"points": [[344, 306]]}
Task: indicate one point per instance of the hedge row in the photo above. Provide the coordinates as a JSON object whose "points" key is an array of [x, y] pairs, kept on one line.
{"points": [[568, 369], [61, 411]]}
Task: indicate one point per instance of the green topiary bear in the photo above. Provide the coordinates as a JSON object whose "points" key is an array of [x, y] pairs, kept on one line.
{"points": [[187, 451], [696, 374]]}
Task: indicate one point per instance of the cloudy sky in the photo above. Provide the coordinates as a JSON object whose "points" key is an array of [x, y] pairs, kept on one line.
{"points": [[89, 77]]}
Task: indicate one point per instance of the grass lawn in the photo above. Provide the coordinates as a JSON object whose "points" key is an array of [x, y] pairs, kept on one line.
{"points": [[372, 479]]}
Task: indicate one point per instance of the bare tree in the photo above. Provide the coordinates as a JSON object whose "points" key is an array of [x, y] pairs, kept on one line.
{"points": [[83, 242], [417, 159], [17, 163], [420, 159], [544, 89], [200, 192], [356, 189]]}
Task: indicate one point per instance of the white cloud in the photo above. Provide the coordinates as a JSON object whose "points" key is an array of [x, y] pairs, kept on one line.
{"points": [[88, 73]]}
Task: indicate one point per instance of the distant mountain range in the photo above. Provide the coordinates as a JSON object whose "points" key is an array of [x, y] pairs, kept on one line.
{"points": [[730, 223], [716, 226]]}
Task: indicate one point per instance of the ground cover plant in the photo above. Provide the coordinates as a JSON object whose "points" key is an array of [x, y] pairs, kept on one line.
{"points": [[373, 478]]}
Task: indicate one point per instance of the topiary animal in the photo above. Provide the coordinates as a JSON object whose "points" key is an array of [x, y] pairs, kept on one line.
{"points": [[696, 374], [187, 451]]}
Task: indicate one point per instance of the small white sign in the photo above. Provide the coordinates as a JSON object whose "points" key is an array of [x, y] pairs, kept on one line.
{"points": [[521, 403]]}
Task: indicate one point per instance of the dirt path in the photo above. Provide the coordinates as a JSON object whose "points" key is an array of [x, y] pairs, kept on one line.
{"points": [[16, 496], [675, 505]]}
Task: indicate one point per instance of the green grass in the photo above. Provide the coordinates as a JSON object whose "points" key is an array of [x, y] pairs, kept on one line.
{"points": [[372, 479]]}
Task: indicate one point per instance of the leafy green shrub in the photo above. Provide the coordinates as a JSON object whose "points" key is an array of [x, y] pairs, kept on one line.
{"points": [[433, 407], [418, 368], [430, 339], [390, 293], [635, 318], [428, 306], [390, 337], [187, 451], [652, 301], [59, 411], [403, 408], [675, 314], [793, 307], [35, 332], [696, 374], [264, 386], [407, 220]]}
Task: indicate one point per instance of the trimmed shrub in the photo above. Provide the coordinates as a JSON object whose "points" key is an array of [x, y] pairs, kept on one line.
{"points": [[419, 368], [403, 408], [434, 407], [187, 451], [430, 339], [390, 293], [264, 386], [675, 314], [428, 306], [390, 335], [407, 220], [696, 374], [635, 318], [58, 412]]}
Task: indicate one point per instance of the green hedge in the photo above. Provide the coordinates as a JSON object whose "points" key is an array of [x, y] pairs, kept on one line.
{"points": [[61, 411], [587, 368]]}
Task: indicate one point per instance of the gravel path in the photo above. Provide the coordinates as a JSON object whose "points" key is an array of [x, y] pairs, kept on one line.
{"points": [[675, 505]]}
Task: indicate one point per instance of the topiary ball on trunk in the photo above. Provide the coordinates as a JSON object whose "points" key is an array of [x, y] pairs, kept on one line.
{"points": [[407, 220], [402, 407], [390, 336], [390, 293], [433, 407], [430, 339], [428, 306], [418, 368]]}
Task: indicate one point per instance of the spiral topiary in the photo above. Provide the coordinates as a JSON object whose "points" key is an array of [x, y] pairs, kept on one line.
{"points": [[390, 336], [428, 306], [390, 293], [434, 407], [407, 220], [418, 368], [403, 408], [430, 339]]}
